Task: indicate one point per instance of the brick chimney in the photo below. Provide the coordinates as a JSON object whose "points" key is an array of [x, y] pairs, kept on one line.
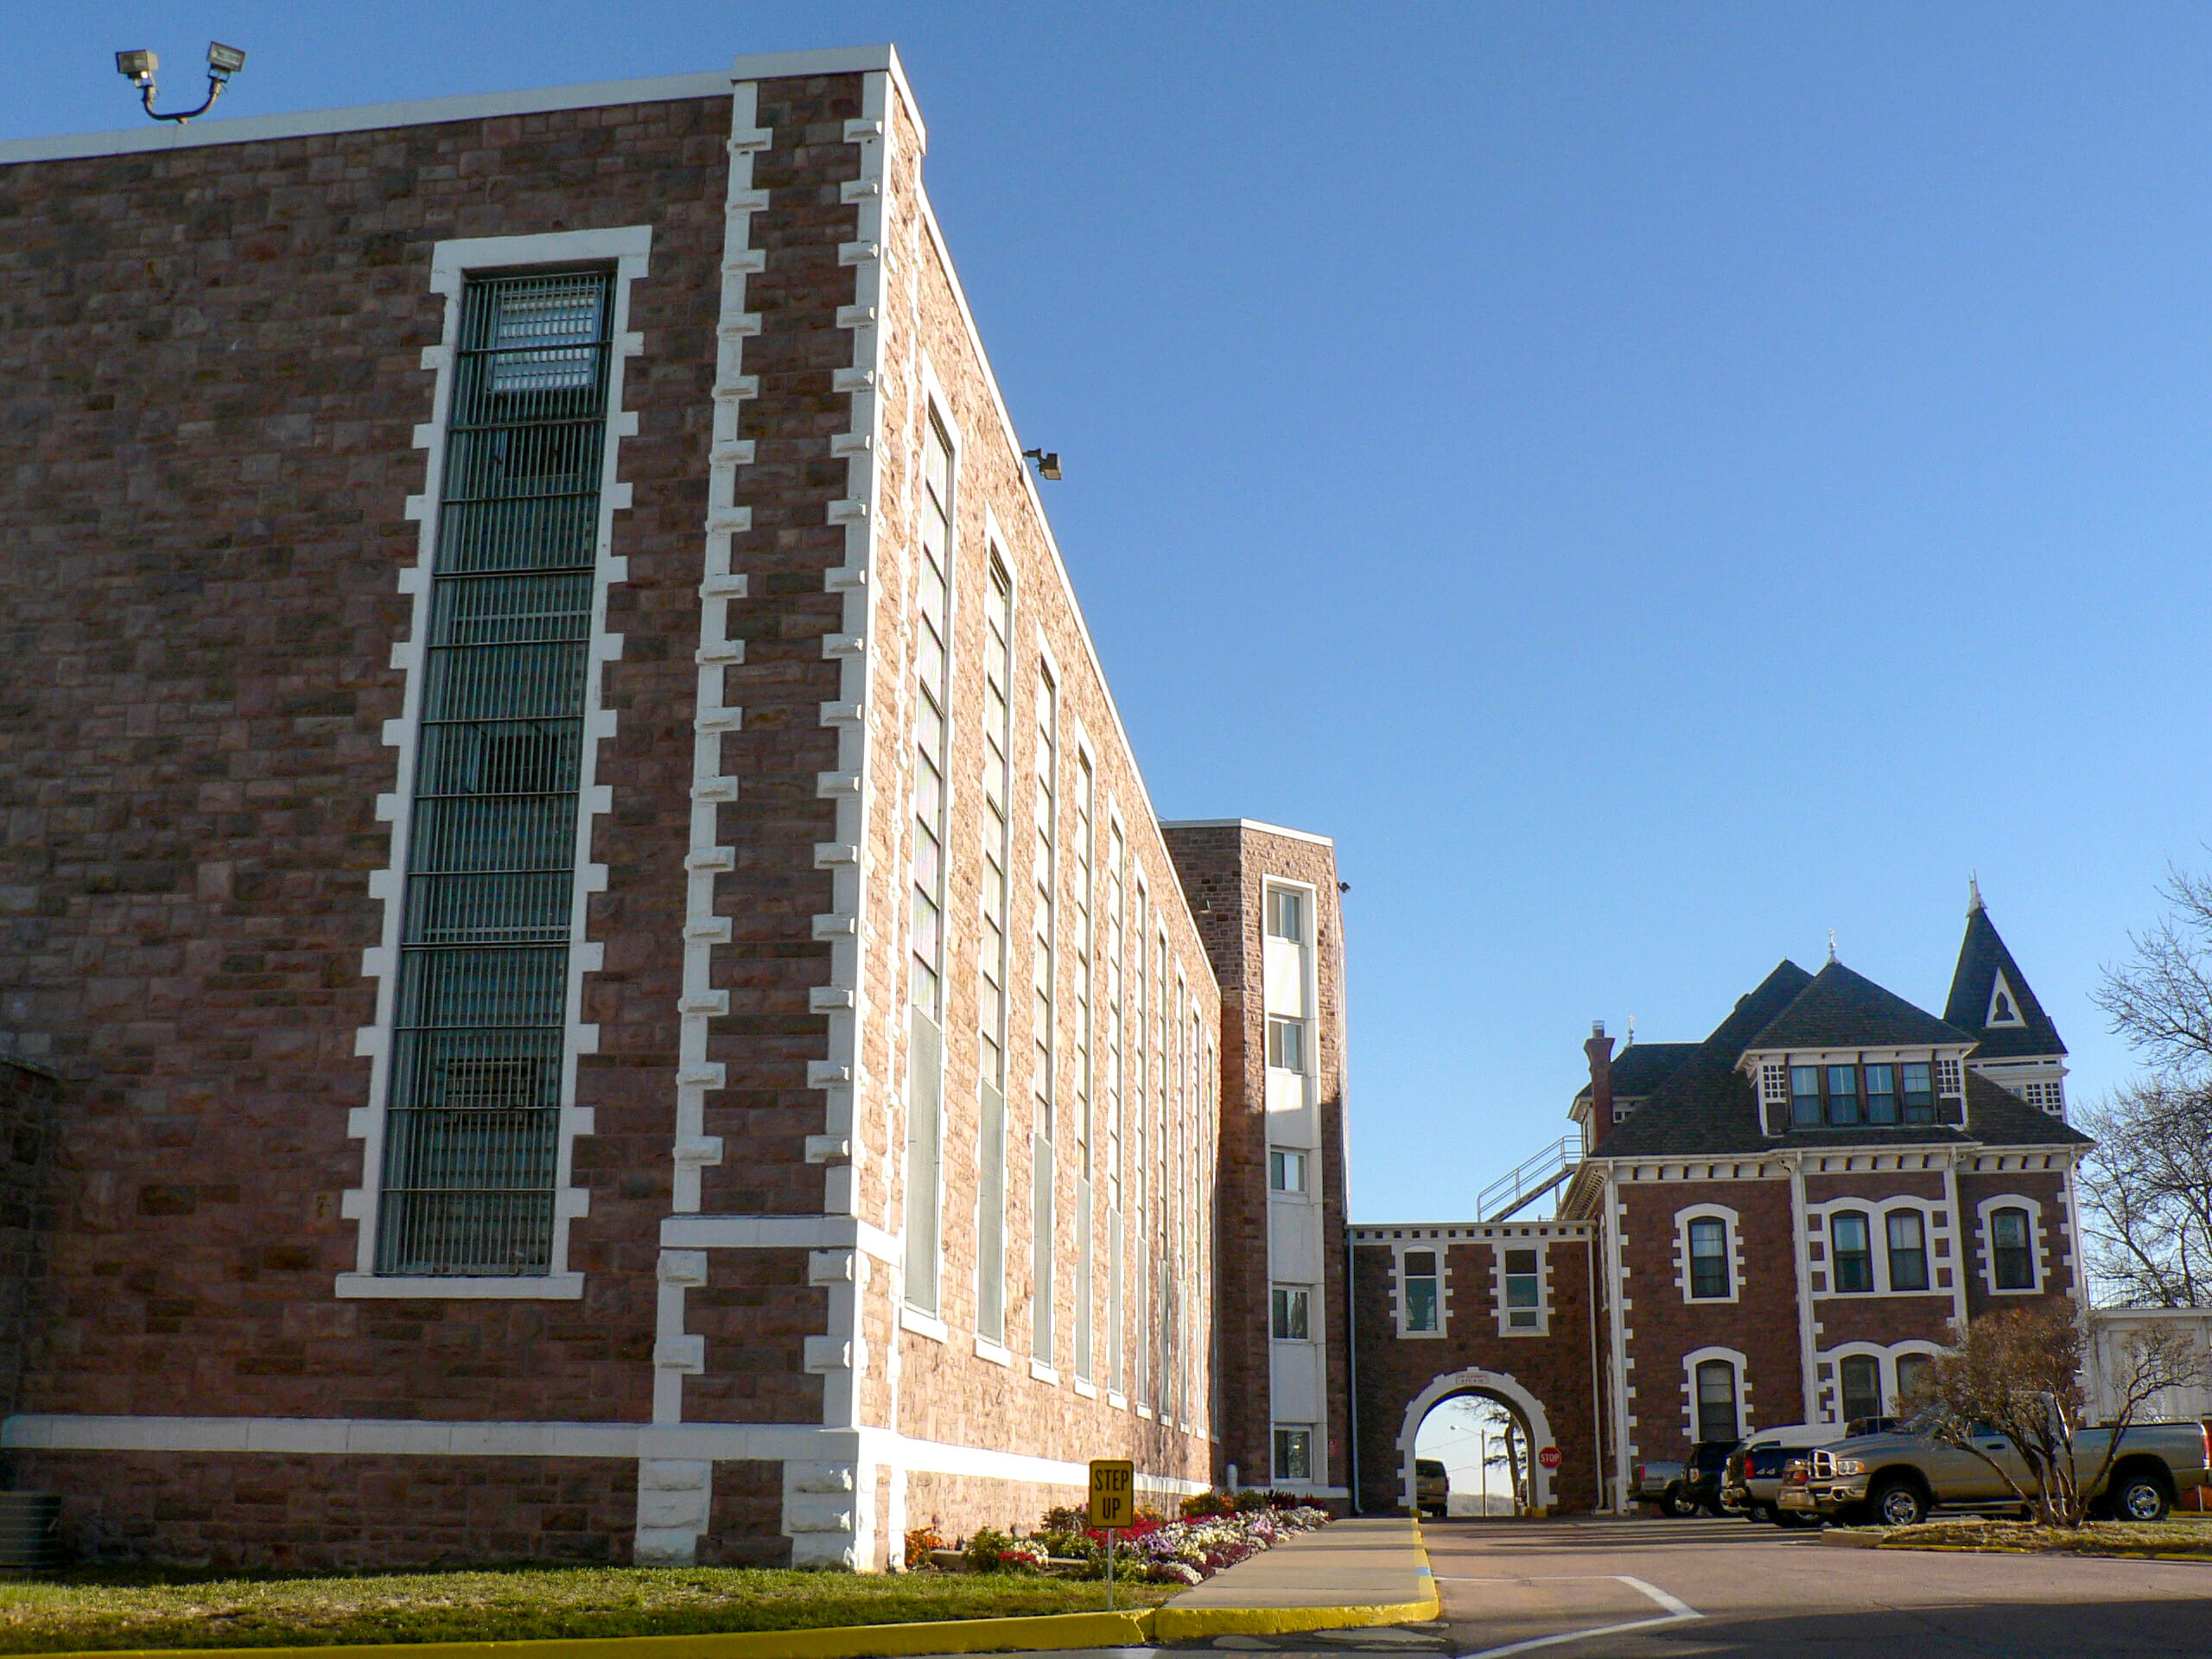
{"points": [[1599, 1048]]}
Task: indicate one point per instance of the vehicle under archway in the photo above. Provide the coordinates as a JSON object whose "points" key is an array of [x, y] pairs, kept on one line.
{"points": [[1472, 1454]]}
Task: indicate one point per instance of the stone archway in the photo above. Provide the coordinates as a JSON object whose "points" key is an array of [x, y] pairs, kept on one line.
{"points": [[1501, 1387]]}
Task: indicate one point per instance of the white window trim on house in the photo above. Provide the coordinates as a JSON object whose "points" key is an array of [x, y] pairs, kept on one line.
{"points": [[1498, 1249], [1733, 1224], [1698, 1357], [2002, 988], [1934, 1225], [628, 249], [2038, 1243], [1828, 1388], [996, 564], [1443, 1290]]}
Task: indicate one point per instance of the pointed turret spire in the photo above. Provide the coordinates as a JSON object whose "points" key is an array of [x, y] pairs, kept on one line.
{"points": [[1992, 998]]}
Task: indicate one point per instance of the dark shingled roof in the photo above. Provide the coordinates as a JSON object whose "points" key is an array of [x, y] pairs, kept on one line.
{"points": [[1842, 1009], [1982, 956], [1641, 1067], [1707, 1108]]}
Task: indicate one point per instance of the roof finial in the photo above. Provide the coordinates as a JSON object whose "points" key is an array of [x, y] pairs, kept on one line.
{"points": [[1632, 1030], [1831, 945], [1973, 888]]}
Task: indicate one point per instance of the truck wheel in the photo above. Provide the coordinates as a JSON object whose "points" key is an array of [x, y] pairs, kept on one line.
{"points": [[1757, 1513], [1794, 1518], [1678, 1503], [1898, 1504], [2140, 1496]]}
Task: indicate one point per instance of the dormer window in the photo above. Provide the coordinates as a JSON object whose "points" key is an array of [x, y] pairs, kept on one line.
{"points": [[1805, 1096], [1881, 1094], [1919, 1092], [1843, 1096]]}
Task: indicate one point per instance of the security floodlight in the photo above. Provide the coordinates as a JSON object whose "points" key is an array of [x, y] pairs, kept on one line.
{"points": [[1048, 463], [223, 62]]}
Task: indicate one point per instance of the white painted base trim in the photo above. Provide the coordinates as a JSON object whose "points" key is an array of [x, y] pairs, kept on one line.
{"points": [[658, 1442]]}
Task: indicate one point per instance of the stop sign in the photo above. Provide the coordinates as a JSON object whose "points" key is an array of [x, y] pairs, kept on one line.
{"points": [[1548, 1456]]}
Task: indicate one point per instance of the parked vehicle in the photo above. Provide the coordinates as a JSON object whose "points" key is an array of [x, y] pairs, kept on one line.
{"points": [[1752, 1480], [1701, 1476], [1659, 1480], [1896, 1479], [1432, 1486]]}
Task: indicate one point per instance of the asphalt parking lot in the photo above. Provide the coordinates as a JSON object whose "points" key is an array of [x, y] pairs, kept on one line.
{"points": [[1647, 1588]]}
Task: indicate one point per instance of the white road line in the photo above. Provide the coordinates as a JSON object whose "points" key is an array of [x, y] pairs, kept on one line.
{"points": [[1677, 1610]]}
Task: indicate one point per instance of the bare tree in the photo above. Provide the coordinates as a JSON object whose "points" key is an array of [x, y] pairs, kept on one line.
{"points": [[2018, 1373], [2147, 1187]]}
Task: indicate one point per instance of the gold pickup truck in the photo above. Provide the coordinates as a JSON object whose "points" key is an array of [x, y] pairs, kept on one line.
{"points": [[1895, 1478]]}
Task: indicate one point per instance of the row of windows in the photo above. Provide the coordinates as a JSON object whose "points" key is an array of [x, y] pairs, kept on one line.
{"points": [[1846, 1097], [1852, 1256], [1160, 1256], [1421, 1303], [1718, 1392]]}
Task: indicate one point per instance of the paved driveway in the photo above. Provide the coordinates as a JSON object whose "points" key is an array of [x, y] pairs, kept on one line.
{"points": [[1658, 1589]]}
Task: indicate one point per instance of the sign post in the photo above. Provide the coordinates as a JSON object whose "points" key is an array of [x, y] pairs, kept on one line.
{"points": [[1113, 1505]]}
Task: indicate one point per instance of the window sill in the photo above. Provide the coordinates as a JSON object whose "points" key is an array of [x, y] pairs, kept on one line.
{"points": [[923, 1324], [1116, 1399], [1144, 1412], [1422, 1336], [1087, 1388], [1044, 1373], [986, 1348], [517, 1287]]}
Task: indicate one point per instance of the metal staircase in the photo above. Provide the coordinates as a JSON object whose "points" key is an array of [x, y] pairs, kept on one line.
{"points": [[1521, 1186]]}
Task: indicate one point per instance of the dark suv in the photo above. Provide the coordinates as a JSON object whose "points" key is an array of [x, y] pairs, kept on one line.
{"points": [[1708, 1461]]}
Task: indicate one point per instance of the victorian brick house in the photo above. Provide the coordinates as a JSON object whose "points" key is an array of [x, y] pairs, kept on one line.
{"points": [[1792, 1213], [596, 970]]}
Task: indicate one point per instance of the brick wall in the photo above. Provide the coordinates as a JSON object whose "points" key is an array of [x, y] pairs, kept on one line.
{"points": [[28, 1108], [1553, 1366], [1224, 868]]}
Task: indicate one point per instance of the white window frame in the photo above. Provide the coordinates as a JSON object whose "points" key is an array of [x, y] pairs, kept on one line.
{"points": [[1542, 1327], [1698, 1357], [1274, 1470], [1281, 1287], [1734, 1252], [1986, 1243], [1443, 1289], [628, 249], [1305, 1157], [1932, 1215], [1828, 1390]]}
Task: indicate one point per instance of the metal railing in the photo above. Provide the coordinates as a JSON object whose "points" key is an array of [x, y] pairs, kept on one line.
{"points": [[1521, 1186]]}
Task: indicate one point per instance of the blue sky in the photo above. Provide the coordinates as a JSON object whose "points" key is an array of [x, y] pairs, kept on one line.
{"points": [[1656, 484]]}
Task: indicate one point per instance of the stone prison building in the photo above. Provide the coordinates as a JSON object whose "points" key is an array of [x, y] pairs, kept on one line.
{"points": [[588, 972]]}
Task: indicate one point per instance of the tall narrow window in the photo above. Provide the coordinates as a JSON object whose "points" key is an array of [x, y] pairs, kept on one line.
{"points": [[1080, 950], [1861, 1379], [1117, 854], [1908, 1250], [1843, 1096], [1853, 1254], [1716, 1401], [1524, 1291], [1881, 1094], [472, 1124], [1709, 1274], [1044, 967], [1805, 1096], [991, 989], [2012, 1261], [926, 965], [1140, 1149], [1919, 1092], [1417, 1290]]}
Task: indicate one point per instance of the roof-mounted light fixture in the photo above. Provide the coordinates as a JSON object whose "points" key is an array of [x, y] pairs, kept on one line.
{"points": [[139, 67], [1048, 463]]}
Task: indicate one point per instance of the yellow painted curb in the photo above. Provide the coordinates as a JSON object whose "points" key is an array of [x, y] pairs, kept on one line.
{"points": [[1173, 1624], [1038, 1633], [2077, 1555]]}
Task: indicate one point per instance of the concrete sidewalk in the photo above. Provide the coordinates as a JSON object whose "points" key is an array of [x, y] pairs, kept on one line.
{"points": [[1372, 1571]]}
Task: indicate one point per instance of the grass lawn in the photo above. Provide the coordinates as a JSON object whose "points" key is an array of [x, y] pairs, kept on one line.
{"points": [[2181, 1535], [150, 1609]]}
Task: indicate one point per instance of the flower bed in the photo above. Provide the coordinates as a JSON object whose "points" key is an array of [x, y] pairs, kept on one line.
{"points": [[1216, 1531]]}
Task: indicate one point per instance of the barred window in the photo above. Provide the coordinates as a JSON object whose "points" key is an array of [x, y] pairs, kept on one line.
{"points": [[472, 1116]]}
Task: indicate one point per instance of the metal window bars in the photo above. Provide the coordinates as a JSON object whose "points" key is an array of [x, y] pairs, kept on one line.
{"points": [[472, 1115]]}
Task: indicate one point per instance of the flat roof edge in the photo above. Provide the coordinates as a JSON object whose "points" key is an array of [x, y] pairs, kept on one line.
{"points": [[430, 111], [1261, 824]]}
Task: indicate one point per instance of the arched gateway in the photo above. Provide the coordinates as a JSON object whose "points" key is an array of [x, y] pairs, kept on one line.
{"points": [[1499, 1309]]}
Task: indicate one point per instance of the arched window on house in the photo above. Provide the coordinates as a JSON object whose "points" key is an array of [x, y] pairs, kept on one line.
{"points": [[1709, 1275], [1852, 1251], [1716, 1401], [2011, 1256], [1860, 1379], [1912, 1375], [1908, 1250]]}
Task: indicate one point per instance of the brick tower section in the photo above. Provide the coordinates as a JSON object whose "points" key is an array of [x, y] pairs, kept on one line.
{"points": [[1226, 868]]}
